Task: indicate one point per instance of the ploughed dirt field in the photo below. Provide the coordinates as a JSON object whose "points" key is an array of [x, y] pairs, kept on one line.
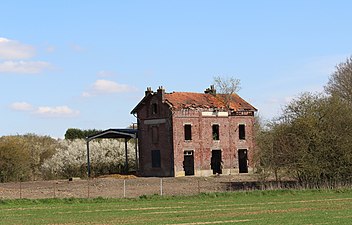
{"points": [[119, 186]]}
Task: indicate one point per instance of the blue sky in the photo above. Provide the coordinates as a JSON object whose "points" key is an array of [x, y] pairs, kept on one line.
{"points": [[86, 64]]}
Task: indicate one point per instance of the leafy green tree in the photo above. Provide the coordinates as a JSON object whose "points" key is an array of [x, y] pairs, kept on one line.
{"points": [[39, 148], [75, 133], [340, 82], [22, 156], [14, 159], [311, 142]]}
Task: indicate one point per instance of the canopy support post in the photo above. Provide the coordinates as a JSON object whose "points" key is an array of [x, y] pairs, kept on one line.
{"points": [[88, 160], [126, 155], [136, 152]]}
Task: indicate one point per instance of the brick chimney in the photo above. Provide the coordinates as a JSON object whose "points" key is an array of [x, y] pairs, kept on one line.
{"points": [[161, 93], [210, 90], [148, 91]]}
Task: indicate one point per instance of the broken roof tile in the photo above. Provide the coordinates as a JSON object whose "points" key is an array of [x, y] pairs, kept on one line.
{"points": [[181, 100]]}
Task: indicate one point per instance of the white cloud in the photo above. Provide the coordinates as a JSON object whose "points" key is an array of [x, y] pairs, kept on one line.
{"points": [[29, 67], [21, 106], [58, 111], [86, 94], [45, 111], [76, 48], [14, 55], [10, 49], [105, 73], [107, 87]]}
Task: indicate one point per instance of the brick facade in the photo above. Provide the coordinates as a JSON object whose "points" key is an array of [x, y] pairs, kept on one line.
{"points": [[213, 139]]}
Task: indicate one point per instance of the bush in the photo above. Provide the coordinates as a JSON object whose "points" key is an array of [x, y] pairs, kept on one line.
{"points": [[21, 156]]}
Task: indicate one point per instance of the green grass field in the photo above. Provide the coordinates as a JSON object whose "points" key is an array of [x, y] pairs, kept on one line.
{"points": [[256, 207]]}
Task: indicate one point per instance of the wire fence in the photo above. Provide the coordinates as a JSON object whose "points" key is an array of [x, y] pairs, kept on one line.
{"points": [[131, 188]]}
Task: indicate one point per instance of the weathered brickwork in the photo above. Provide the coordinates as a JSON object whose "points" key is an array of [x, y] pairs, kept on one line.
{"points": [[202, 142], [161, 122]]}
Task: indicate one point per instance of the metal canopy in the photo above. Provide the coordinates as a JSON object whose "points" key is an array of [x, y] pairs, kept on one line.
{"points": [[127, 134], [114, 133]]}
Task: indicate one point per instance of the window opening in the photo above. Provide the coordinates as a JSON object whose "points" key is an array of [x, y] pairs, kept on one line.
{"points": [[242, 131], [188, 132], [216, 135]]}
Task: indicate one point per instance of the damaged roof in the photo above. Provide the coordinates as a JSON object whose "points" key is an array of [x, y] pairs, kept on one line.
{"points": [[184, 100]]}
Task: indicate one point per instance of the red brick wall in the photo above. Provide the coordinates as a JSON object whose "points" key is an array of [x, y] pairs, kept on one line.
{"points": [[171, 143], [202, 141], [162, 121]]}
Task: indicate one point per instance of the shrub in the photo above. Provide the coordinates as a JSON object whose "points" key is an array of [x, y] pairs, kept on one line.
{"points": [[21, 156]]}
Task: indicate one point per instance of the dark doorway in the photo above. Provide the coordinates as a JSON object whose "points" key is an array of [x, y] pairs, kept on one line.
{"points": [[242, 160], [216, 161], [188, 163]]}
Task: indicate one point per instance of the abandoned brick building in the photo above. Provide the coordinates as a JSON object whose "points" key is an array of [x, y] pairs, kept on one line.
{"points": [[184, 133]]}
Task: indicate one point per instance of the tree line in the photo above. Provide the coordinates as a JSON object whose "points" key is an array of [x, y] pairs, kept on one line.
{"points": [[311, 141], [33, 157], [75, 133]]}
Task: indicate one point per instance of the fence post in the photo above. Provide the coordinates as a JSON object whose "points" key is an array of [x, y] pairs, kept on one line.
{"points": [[161, 186], [88, 187], [230, 183], [124, 188], [54, 186], [20, 188]]}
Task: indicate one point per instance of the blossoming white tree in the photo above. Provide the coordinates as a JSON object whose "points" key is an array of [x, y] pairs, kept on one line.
{"points": [[107, 156]]}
